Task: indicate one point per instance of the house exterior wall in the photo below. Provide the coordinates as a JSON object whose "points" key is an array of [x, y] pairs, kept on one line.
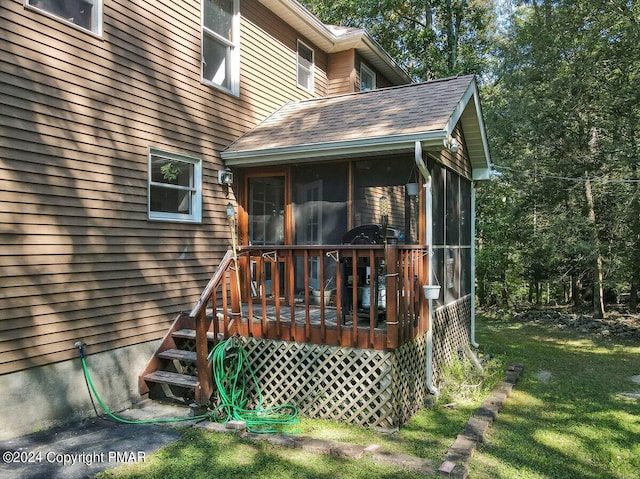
{"points": [[79, 259], [342, 73]]}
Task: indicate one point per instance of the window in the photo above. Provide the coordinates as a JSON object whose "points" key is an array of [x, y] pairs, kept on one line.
{"points": [[86, 14], [220, 44], [175, 187], [305, 66], [367, 78]]}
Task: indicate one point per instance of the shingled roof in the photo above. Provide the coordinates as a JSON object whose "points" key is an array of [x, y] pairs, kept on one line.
{"points": [[352, 125]]}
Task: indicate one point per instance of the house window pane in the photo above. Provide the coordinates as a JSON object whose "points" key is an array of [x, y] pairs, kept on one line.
{"points": [[175, 187], [83, 13], [218, 17], [367, 78], [220, 44], [305, 66], [217, 62]]}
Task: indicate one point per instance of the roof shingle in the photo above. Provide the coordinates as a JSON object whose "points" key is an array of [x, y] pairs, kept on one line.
{"points": [[404, 110]]}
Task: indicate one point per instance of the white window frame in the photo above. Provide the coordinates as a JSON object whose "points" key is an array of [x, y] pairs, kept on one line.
{"points": [[196, 189], [233, 45], [364, 69], [96, 17], [309, 88]]}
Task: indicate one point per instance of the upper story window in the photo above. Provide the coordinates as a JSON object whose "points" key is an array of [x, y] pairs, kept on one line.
{"points": [[220, 44], [86, 14], [305, 66], [175, 187], [367, 78]]}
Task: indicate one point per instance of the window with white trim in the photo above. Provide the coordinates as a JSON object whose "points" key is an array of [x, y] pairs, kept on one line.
{"points": [[175, 187], [305, 66], [86, 14], [367, 78], [221, 44]]}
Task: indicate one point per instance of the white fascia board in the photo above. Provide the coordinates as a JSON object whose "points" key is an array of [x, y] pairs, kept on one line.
{"points": [[339, 149], [471, 94]]}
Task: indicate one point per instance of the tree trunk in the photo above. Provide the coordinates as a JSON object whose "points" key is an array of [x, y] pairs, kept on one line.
{"points": [[635, 253], [576, 291], [598, 277], [452, 37]]}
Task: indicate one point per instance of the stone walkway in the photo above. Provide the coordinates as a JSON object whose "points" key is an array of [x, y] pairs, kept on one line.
{"points": [[457, 459]]}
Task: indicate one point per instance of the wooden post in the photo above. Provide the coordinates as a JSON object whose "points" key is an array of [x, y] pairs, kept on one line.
{"points": [[236, 307], [204, 388], [391, 261]]}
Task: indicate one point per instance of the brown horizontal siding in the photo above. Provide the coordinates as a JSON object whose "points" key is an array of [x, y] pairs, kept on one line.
{"points": [[341, 73], [78, 258]]}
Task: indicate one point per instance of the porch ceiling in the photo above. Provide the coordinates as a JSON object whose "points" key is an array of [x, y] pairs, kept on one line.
{"points": [[381, 121]]}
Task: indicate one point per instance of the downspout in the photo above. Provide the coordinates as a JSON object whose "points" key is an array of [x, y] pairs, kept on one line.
{"points": [[429, 242], [473, 266]]}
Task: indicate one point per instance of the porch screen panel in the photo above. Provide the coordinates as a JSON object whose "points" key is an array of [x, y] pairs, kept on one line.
{"points": [[451, 207], [319, 202], [319, 199], [437, 202], [386, 177]]}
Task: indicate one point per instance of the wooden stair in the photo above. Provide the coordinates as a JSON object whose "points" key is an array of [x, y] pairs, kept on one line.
{"points": [[171, 373]]}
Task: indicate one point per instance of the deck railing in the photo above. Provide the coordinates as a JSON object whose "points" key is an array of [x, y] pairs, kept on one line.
{"points": [[318, 294]]}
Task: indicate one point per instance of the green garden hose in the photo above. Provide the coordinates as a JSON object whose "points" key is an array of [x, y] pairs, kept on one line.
{"points": [[113, 416], [230, 369]]}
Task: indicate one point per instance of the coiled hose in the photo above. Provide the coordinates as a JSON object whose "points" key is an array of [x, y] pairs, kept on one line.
{"points": [[230, 370]]}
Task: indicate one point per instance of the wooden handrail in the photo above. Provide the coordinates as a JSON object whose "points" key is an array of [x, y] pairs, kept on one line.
{"points": [[213, 283], [204, 388]]}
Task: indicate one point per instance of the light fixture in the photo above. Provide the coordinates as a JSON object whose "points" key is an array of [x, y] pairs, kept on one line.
{"points": [[231, 212], [451, 144], [225, 177]]}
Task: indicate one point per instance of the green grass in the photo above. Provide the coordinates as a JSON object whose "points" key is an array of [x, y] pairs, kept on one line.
{"points": [[566, 423], [565, 418]]}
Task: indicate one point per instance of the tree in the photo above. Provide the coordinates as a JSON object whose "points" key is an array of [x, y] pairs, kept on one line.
{"points": [[567, 120], [430, 38]]}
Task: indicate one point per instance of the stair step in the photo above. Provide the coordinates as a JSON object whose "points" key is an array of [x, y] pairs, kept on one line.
{"points": [[191, 334], [174, 379], [178, 354]]}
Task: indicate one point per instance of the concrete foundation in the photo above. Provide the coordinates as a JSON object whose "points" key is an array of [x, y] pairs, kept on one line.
{"points": [[53, 395]]}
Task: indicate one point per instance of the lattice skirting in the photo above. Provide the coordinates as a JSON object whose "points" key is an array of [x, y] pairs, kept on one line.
{"points": [[360, 386], [451, 333]]}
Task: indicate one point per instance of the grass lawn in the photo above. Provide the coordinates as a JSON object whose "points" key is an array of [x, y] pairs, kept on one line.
{"points": [[564, 420]]}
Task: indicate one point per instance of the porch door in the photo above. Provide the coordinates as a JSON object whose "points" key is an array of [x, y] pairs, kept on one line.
{"points": [[312, 226], [266, 211]]}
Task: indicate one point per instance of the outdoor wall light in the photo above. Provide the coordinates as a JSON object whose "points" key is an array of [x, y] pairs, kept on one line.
{"points": [[225, 177], [451, 144]]}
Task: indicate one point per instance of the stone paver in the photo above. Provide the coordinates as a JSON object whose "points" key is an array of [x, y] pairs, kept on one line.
{"points": [[457, 458]]}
